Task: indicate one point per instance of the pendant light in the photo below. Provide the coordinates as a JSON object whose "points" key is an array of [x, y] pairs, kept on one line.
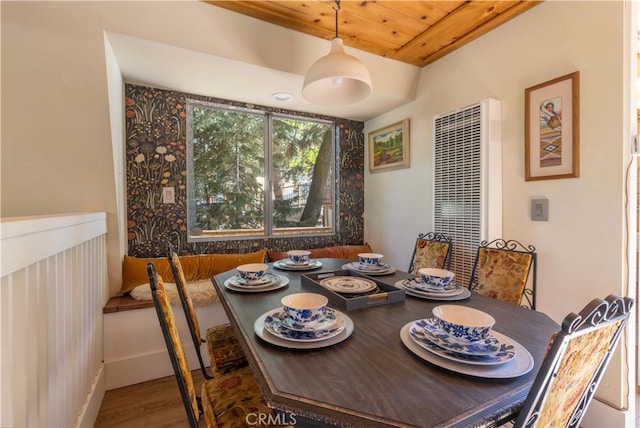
{"points": [[337, 79]]}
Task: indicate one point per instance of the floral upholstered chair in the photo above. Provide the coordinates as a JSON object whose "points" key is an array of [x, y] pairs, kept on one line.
{"points": [[225, 352], [229, 400], [574, 365], [432, 250], [501, 270]]}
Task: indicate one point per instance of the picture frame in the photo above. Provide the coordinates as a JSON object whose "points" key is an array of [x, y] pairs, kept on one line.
{"points": [[389, 147], [552, 129]]}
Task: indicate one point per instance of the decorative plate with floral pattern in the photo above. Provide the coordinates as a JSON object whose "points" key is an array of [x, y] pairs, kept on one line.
{"points": [[348, 284]]}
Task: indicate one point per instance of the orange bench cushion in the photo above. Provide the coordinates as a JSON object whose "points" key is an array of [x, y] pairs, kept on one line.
{"points": [[202, 266]]}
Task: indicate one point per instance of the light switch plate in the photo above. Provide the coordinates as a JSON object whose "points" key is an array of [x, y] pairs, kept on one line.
{"points": [[168, 195], [540, 209]]}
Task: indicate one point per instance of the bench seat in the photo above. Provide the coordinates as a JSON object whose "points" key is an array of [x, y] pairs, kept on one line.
{"points": [[134, 348]]}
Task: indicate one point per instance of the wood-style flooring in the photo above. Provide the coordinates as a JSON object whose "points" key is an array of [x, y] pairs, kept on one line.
{"points": [[156, 404]]}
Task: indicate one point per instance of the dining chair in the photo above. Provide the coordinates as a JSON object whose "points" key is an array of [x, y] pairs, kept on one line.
{"points": [[225, 352], [501, 269], [231, 400], [575, 362], [432, 250]]}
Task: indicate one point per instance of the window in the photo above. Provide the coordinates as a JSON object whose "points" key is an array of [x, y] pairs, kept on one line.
{"points": [[255, 173]]}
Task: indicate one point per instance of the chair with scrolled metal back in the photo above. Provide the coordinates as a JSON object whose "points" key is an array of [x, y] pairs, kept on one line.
{"points": [[232, 400], [225, 352], [432, 250], [575, 362], [501, 270]]}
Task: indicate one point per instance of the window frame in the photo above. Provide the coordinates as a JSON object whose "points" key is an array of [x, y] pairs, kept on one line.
{"points": [[269, 231]]}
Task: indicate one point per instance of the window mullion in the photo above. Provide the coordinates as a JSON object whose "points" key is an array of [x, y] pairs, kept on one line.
{"points": [[268, 179]]}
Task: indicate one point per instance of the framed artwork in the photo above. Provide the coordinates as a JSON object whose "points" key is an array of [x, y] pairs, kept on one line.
{"points": [[552, 129], [389, 147]]}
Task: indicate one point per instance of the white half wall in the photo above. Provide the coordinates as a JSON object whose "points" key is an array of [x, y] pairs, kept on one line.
{"points": [[135, 350]]}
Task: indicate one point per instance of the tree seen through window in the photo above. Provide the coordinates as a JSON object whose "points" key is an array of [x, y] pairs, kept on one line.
{"points": [[234, 190]]}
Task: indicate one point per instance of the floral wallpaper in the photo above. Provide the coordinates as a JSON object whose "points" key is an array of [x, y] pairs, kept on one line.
{"points": [[156, 157]]}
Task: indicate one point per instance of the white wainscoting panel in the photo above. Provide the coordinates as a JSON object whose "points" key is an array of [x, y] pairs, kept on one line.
{"points": [[52, 289]]}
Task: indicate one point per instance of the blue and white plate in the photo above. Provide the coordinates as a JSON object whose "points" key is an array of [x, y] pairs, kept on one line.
{"points": [[417, 284], [504, 354], [327, 321], [277, 282], [383, 269], [520, 365], [267, 280], [274, 326], [465, 294], [286, 265], [435, 334], [379, 266], [264, 334]]}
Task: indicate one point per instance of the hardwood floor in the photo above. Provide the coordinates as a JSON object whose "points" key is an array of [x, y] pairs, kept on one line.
{"points": [[156, 403]]}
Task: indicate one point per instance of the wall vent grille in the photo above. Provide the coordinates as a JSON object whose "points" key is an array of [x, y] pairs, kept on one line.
{"points": [[467, 182]]}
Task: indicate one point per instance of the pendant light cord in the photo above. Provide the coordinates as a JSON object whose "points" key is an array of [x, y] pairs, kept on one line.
{"points": [[337, 9]]}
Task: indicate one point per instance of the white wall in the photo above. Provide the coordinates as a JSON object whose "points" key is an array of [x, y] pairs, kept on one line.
{"points": [[56, 133], [582, 248], [62, 108], [115, 84]]}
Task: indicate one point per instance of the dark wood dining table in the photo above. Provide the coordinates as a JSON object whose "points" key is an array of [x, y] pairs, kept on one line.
{"points": [[372, 379]]}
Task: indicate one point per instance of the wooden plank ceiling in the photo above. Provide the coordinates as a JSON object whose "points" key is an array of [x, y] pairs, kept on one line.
{"points": [[414, 32]]}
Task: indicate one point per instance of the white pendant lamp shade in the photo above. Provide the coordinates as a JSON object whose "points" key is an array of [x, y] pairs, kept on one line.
{"points": [[337, 79]]}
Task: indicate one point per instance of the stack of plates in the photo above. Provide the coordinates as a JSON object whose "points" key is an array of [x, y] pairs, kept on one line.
{"points": [[416, 287], [382, 269], [497, 356], [268, 282], [287, 264], [277, 328]]}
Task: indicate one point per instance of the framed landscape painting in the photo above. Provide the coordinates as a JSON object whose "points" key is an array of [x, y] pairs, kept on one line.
{"points": [[389, 147], [552, 129]]}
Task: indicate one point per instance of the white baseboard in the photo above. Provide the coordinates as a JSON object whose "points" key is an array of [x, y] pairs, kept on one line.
{"points": [[134, 348], [91, 408], [601, 415], [144, 367]]}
